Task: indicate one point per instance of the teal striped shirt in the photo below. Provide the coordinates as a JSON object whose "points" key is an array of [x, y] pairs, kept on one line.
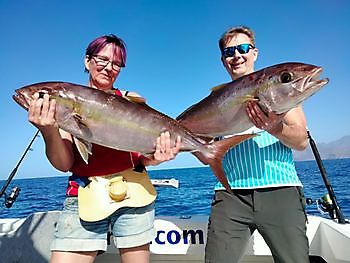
{"points": [[262, 161]]}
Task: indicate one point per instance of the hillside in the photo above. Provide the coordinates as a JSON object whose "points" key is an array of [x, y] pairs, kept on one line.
{"points": [[333, 150]]}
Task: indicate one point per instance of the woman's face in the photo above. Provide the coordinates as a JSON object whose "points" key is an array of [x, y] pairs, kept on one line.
{"points": [[103, 68]]}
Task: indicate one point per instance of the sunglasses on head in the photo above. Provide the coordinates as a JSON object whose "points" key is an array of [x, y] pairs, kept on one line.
{"points": [[242, 49]]}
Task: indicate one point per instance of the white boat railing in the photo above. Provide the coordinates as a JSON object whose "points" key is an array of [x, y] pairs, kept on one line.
{"points": [[178, 239]]}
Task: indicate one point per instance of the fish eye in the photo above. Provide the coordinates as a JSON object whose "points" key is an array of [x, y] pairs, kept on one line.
{"points": [[286, 77], [41, 94]]}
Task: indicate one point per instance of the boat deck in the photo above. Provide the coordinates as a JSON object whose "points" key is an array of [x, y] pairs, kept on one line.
{"points": [[178, 240]]}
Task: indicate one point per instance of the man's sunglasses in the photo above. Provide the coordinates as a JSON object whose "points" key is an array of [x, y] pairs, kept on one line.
{"points": [[242, 49]]}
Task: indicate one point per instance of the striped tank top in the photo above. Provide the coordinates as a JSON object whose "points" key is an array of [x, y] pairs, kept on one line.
{"points": [[260, 162]]}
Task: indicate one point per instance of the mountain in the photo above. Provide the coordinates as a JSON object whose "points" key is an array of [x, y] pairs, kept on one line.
{"points": [[333, 150]]}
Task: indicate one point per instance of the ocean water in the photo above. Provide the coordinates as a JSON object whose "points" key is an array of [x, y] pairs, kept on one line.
{"points": [[193, 197]]}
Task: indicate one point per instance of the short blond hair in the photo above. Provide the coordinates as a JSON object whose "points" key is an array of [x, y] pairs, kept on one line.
{"points": [[233, 31]]}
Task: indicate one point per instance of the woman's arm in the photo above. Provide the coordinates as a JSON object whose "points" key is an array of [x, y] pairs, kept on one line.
{"points": [[58, 143]]}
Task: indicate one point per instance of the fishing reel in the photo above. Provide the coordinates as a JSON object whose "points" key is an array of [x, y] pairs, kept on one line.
{"points": [[11, 198], [324, 205]]}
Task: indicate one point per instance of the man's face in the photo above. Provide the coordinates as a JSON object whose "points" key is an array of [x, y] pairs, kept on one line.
{"points": [[239, 64]]}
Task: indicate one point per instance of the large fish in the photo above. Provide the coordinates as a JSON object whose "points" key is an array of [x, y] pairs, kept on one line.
{"points": [[277, 88], [93, 116]]}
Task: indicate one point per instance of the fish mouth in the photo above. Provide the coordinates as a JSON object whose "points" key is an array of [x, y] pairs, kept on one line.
{"points": [[313, 81], [21, 99], [302, 88]]}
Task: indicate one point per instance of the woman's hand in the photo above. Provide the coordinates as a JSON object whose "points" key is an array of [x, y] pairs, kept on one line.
{"points": [[164, 151], [41, 112]]}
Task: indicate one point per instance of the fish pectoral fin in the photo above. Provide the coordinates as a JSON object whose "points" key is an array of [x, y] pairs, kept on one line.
{"points": [[248, 98], [136, 99], [216, 88], [253, 99], [148, 155], [77, 117], [84, 148], [206, 139], [83, 127]]}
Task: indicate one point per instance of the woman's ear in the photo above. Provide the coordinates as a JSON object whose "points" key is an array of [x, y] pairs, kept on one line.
{"points": [[87, 63]]}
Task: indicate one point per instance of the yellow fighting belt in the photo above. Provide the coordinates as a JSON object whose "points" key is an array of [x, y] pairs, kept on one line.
{"points": [[106, 194]]}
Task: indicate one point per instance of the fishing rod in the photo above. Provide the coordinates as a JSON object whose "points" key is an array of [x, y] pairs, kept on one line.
{"points": [[335, 206], [11, 198]]}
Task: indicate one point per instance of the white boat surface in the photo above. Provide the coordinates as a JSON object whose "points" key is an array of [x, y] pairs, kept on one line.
{"points": [[178, 239], [165, 182]]}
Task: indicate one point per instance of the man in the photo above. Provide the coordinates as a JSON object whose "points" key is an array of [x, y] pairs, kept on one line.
{"points": [[267, 193]]}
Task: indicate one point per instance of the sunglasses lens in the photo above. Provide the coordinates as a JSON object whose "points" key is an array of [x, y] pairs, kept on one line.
{"points": [[243, 48], [228, 52]]}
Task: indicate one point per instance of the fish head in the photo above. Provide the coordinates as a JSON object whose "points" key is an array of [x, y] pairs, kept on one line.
{"points": [[287, 85], [68, 109], [25, 95]]}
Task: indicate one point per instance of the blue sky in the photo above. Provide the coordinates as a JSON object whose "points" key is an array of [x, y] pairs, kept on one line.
{"points": [[173, 57]]}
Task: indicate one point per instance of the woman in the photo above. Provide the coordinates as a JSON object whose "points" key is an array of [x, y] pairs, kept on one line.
{"points": [[76, 240]]}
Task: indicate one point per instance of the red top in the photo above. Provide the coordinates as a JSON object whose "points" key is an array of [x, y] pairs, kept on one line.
{"points": [[102, 161]]}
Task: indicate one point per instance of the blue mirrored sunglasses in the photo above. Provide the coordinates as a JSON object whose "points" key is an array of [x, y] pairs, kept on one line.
{"points": [[242, 49]]}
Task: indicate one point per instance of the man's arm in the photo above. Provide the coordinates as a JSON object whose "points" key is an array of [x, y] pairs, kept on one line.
{"points": [[289, 128]]}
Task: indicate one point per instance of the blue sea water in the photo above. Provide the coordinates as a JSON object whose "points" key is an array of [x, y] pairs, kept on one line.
{"points": [[193, 197]]}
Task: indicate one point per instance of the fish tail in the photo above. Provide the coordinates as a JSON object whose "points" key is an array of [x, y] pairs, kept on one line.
{"points": [[217, 152]]}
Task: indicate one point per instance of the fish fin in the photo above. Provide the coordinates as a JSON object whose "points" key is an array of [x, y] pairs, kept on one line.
{"points": [[83, 127], [148, 155], [78, 119], [219, 148], [206, 139], [84, 148], [252, 98], [80, 122], [218, 87], [136, 99], [247, 98]]}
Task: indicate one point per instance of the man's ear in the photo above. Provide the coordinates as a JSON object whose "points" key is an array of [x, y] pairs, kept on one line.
{"points": [[223, 61], [256, 52]]}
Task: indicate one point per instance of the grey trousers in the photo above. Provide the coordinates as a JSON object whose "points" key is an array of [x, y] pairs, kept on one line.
{"points": [[277, 213]]}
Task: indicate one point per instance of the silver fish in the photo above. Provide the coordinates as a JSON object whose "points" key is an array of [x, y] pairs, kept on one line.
{"points": [[93, 116], [278, 88]]}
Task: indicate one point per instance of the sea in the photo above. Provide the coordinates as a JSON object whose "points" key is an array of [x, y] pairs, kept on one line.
{"points": [[192, 197]]}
